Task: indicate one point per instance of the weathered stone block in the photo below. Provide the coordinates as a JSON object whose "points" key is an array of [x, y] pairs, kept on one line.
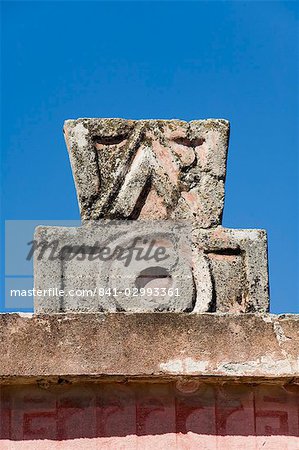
{"points": [[237, 263], [200, 270], [131, 266], [218, 347], [149, 169]]}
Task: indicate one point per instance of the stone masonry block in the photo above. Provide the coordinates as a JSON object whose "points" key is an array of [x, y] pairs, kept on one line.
{"points": [[219, 347], [221, 269], [133, 266], [149, 169]]}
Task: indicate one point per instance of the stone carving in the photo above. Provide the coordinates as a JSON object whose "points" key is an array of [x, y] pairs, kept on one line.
{"points": [[225, 271], [90, 275], [149, 169], [151, 179]]}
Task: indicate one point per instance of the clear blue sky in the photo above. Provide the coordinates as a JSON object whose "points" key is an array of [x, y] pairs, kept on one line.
{"points": [[188, 60]]}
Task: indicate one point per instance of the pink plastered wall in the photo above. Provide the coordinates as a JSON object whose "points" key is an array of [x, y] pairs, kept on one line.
{"points": [[172, 415]]}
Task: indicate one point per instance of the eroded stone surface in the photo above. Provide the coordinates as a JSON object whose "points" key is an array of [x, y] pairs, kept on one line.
{"points": [[238, 268], [93, 277], [150, 345], [221, 269], [149, 169], [155, 170]]}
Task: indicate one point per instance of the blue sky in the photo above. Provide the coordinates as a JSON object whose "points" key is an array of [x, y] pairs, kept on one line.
{"points": [[188, 60]]}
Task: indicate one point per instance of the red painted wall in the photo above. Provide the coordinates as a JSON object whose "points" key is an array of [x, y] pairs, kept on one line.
{"points": [[150, 416]]}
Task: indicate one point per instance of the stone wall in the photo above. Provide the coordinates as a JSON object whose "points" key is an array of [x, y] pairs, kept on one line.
{"points": [[149, 381], [137, 415]]}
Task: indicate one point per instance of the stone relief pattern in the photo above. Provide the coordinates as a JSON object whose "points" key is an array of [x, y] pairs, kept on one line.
{"points": [[149, 169], [155, 170]]}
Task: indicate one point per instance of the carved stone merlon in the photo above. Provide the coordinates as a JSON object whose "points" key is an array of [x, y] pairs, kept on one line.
{"points": [[168, 174], [149, 169]]}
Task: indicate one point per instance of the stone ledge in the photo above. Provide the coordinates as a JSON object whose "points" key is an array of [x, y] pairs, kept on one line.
{"points": [[165, 345]]}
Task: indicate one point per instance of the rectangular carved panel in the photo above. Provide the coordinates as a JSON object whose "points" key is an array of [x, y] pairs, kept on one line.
{"points": [[220, 269], [149, 169]]}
